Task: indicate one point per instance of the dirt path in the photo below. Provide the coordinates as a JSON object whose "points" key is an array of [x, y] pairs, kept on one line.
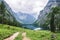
{"points": [[13, 36], [24, 36]]}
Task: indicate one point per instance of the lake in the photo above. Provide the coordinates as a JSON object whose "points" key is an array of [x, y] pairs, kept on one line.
{"points": [[31, 26]]}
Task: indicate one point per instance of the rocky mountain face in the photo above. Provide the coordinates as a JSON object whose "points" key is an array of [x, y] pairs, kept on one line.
{"points": [[8, 18], [21, 17], [58, 2], [12, 18], [24, 18], [43, 14]]}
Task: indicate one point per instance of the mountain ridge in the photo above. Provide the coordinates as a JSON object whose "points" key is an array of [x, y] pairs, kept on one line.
{"points": [[43, 14]]}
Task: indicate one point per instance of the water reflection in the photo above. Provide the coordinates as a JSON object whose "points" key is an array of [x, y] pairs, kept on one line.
{"points": [[32, 27]]}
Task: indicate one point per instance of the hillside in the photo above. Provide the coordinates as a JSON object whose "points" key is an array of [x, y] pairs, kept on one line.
{"points": [[6, 31], [43, 13], [6, 17]]}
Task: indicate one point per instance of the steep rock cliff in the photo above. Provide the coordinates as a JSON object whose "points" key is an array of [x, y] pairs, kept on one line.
{"points": [[43, 14]]}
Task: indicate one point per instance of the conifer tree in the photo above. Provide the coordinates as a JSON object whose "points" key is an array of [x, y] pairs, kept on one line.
{"points": [[2, 12], [55, 11]]}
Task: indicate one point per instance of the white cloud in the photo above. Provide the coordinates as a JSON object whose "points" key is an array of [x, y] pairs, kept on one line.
{"points": [[27, 6], [22, 17]]}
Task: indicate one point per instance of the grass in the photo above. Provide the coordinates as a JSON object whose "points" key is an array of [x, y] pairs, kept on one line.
{"points": [[6, 31]]}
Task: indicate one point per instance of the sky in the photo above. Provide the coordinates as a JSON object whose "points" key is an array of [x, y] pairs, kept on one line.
{"points": [[32, 7]]}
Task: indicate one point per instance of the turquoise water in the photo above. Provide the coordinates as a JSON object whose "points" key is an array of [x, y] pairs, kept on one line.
{"points": [[32, 27]]}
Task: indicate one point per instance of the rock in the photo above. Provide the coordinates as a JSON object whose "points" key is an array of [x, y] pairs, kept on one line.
{"points": [[43, 14]]}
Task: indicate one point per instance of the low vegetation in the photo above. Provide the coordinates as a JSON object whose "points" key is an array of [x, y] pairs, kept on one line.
{"points": [[6, 31]]}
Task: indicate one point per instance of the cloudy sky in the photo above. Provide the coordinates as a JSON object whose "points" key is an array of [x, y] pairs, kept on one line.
{"points": [[31, 7], [27, 6]]}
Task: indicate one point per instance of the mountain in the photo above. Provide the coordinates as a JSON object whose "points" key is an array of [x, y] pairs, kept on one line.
{"points": [[6, 17], [58, 2], [43, 14], [30, 9], [17, 19], [23, 18]]}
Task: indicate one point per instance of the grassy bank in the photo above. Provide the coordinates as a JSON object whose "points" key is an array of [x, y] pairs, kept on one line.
{"points": [[6, 31]]}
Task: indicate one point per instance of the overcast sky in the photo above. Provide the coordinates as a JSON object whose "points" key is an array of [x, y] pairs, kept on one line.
{"points": [[32, 7]]}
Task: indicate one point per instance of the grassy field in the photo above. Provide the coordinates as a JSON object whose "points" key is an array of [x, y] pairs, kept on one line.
{"points": [[6, 31]]}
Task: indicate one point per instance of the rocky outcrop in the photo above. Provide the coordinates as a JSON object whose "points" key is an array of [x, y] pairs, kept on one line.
{"points": [[43, 14], [8, 18]]}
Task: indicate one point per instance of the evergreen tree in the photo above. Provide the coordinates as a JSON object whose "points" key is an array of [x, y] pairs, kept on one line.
{"points": [[2, 12], [55, 11]]}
